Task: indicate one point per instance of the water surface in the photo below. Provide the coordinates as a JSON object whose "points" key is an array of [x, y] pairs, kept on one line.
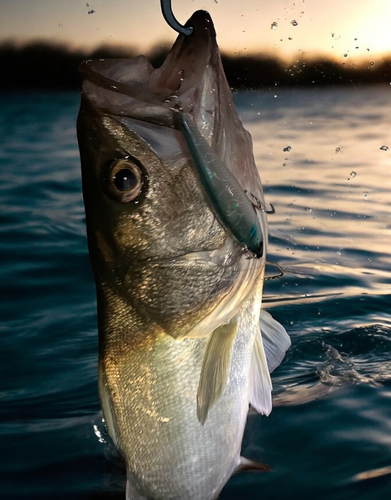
{"points": [[329, 435]]}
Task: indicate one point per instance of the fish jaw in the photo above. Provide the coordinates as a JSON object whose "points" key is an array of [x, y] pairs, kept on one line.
{"points": [[191, 79]]}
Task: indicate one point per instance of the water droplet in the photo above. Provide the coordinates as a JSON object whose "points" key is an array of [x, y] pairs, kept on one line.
{"points": [[91, 11], [98, 434], [365, 195], [308, 209], [372, 63], [87, 4], [385, 148], [294, 23], [60, 25], [337, 150], [345, 55], [287, 148], [352, 174], [274, 26]]}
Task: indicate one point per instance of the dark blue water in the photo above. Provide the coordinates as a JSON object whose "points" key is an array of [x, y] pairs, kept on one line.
{"points": [[329, 435]]}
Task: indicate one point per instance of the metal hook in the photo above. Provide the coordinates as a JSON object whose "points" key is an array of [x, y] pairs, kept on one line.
{"points": [[258, 205], [272, 209], [171, 20]]}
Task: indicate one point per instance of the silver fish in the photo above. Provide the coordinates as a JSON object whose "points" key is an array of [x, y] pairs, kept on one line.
{"points": [[179, 279]]}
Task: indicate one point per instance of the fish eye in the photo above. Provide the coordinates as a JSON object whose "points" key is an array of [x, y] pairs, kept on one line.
{"points": [[125, 179]]}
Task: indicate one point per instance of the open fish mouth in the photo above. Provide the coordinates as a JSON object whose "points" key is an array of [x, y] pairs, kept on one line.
{"points": [[189, 94], [133, 88]]}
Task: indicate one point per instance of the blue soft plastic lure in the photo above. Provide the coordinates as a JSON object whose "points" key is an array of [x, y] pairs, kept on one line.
{"points": [[226, 195]]}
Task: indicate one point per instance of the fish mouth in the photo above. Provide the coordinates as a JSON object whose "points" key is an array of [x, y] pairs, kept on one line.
{"points": [[134, 88], [191, 81]]}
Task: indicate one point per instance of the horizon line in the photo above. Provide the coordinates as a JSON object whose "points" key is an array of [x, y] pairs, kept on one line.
{"points": [[165, 46]]}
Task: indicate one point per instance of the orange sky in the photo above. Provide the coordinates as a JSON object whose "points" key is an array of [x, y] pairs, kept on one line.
{"points": [[342, 29]]}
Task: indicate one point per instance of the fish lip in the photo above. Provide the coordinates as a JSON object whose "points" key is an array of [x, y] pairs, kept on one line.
{"points": [[203, 34], [89, 71], [104, 80]]}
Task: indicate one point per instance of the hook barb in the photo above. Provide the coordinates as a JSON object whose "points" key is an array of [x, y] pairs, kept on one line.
{"points": [[171, 20], [272, 210]]}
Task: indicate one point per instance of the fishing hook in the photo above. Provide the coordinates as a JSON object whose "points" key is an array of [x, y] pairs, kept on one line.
{"points": [[272, 209], [171, 20], [258, 205]]}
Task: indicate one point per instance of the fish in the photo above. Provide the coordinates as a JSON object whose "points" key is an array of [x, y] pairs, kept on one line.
{"points": [[177, 235]]}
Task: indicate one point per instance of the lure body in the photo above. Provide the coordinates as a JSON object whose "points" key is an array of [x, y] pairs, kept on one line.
{"points": [[226, 195]]}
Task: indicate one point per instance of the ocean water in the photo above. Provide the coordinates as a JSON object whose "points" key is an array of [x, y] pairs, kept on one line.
{"points": [[325, 166]]}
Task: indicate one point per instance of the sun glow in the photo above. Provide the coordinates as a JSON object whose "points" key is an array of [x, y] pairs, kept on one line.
{"points": [[338, 30]]}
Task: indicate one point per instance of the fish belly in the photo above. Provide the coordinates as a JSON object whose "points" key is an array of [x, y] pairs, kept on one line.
{"points": [[149, 397]]}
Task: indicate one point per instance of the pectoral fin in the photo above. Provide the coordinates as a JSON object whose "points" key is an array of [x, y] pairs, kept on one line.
{"points": [[275, 340], [270, 346], [215, 368], [261, 385]]}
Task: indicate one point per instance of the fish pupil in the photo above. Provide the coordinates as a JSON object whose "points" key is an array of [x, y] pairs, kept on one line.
{"points": [[125, 179]]}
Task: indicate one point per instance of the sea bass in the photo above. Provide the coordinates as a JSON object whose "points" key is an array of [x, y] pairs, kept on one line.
{"points": [[179, 267]]}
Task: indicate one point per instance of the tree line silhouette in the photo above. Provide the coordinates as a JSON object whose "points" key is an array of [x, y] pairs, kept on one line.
{"points": [[43, 66]]}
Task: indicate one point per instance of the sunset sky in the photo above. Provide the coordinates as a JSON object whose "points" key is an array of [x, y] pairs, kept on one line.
{"points": [[340, 29]]}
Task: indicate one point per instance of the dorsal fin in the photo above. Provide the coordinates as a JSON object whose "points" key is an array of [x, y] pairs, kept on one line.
{"points": [[215, 368]]}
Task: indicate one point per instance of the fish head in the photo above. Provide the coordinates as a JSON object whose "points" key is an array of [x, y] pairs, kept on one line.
{"points": [[154, 237]]}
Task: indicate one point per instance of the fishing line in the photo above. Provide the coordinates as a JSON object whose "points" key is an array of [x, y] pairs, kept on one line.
{"points": [[276, 276]]}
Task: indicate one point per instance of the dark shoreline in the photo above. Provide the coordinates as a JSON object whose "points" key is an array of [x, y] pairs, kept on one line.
{"points": [[44, 66]]}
